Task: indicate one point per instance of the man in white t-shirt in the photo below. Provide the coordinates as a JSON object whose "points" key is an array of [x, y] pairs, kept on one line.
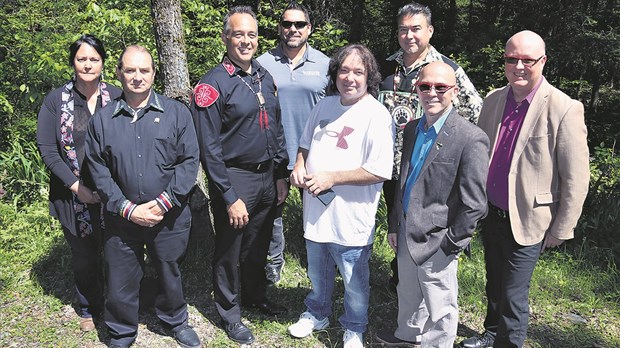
{"points": [[345, 153]]}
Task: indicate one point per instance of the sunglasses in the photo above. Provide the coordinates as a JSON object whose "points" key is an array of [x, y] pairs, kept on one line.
{"points": [[297, 24], [439, 88], [525, 61]]}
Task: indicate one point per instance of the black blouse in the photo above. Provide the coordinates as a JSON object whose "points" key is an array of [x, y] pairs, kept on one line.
{"points": [[49, 144]]}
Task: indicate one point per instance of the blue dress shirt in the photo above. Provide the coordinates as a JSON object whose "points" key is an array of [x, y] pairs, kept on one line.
{"points": [[423, 144]]}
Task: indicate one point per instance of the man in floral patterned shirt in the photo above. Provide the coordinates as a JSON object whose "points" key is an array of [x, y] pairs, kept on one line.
{"points": [[397, 91]]}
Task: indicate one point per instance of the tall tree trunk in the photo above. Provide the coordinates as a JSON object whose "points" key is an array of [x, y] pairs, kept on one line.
{"points": [[170, 43], [452, 20], [357, 11]]}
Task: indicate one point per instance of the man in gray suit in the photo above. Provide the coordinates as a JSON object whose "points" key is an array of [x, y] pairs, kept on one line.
{"points": [[437, 205]]}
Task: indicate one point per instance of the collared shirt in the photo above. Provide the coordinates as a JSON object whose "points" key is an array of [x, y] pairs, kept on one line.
{"points": [[231, 127], [512, 120], [140, 161], [424, 141], [300, 87], [467, 101]]}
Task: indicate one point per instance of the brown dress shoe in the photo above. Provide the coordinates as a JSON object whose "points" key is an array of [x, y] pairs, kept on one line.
{"points": [[87, 324]]}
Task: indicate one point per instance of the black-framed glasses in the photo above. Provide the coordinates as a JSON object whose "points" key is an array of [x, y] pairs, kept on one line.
{"points": [[297, 24], [525, 61], [439, 88]]}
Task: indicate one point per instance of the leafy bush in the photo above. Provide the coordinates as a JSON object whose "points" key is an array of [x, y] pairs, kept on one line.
{"points": [[23, 174], [25, 232], [599, 222]]}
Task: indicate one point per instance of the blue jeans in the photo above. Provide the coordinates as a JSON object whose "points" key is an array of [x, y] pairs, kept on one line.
{"points": [[352, 263]]}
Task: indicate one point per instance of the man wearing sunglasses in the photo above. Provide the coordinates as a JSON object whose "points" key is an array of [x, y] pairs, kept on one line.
{"points": [[397, 93], [439, 199], [537, 183], [300, 72]]}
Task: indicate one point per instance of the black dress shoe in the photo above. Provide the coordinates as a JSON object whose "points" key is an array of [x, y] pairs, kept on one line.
{"points": [[267, 307], [388, 339], [118, 346], [238, 332], [187, 338], [479, 341]]}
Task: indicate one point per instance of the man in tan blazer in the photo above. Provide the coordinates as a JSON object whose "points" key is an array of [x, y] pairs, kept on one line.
{"points": [[537, 183]]}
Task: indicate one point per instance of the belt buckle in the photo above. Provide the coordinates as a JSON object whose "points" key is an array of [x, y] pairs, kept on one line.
{"points": [[259, 166]]}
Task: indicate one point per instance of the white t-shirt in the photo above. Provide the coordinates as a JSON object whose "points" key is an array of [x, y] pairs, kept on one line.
{"points": [[339, 138]]}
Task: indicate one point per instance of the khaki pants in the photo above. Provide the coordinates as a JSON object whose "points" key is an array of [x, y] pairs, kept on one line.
{"points": [[427, 299]]}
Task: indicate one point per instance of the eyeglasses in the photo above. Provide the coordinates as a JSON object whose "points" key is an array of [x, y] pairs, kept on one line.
{"points": [[526, 61], [439, 88], [297, 24]]}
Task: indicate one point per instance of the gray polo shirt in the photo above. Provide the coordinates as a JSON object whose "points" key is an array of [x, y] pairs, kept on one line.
{"points": [[300, 87]]}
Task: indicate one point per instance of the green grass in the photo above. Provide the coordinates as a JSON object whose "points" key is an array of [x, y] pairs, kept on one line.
{"points": [[36, 292]]}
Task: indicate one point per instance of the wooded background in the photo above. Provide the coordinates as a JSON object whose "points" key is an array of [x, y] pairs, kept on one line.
{"points": [[582, 37]]}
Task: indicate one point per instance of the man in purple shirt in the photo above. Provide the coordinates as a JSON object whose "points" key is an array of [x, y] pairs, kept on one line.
{"points": [[537, 183]]}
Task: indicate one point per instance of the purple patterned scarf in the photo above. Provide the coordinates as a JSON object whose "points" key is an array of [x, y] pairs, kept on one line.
{"points": [[67, 108]]}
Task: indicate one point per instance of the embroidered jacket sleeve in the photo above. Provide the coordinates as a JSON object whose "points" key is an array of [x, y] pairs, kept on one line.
{"points": [[208, 123]]}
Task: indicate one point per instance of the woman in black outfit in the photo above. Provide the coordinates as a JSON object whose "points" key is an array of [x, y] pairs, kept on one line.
{"points": [[61, 130]]}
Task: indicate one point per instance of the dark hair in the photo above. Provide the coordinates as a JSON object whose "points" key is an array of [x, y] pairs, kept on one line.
{"points": [[370, 65], [295, 6], [413, 9], [139, 48], [91, 41], [235, 10]]}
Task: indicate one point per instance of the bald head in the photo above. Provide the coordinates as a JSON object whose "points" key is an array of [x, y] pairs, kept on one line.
{"points": [[438, 70], [436, 88], [527, 39]]}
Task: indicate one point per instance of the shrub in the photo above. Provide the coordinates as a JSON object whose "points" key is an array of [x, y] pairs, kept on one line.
{"points": [[23, 174], [597, 228]]}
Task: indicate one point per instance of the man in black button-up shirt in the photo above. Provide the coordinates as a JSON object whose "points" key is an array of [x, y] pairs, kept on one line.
{"points": [[143, 155], [242, 149]]}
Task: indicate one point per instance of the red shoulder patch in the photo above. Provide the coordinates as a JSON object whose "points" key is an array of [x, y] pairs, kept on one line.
{"points": [[228, 65], [205, 95]]}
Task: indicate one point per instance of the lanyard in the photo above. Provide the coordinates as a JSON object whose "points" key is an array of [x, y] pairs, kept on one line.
{"points": [[263, 118], [396, 80]]}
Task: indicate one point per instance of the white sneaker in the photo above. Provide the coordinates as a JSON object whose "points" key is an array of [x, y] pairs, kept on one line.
{"points": [[306, 324], [352, 339]]}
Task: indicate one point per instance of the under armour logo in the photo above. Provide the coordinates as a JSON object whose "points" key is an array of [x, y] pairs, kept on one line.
{"points": [[342, 142]]}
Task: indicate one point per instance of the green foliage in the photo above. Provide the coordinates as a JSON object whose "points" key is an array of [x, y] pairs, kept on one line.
{"points": [[25, 232], [328, 38], [598, 226], [23, 174], [203, 24], [605, 171], [486, 67]]}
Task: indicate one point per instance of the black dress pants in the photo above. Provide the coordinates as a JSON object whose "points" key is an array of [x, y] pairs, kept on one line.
{"points": [[240, 254], [124, 246], [509, 269], [87, 269]]}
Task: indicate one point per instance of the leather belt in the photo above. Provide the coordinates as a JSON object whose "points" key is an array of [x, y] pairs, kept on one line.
{"points": [[261, 167], [501, 213]]}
